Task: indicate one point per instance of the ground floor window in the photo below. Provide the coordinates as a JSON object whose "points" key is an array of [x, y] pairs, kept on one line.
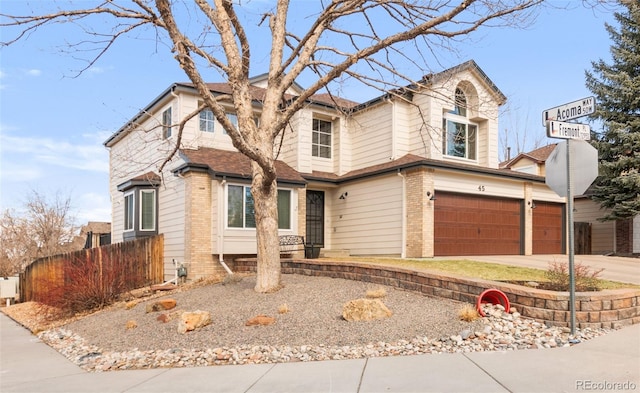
{"points": [[140, 213], [241, 209]]}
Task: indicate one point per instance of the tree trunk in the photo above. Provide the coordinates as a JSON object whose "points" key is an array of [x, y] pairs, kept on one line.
{"points": [[265, 199]]}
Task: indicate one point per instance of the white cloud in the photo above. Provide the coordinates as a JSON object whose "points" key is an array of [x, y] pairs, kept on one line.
{"points": [[93, 207], [19, 173], [85, 157], [34, 72]]}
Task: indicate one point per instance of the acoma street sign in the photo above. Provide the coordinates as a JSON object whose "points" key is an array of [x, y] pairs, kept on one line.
{"points": [[560, 129], [572, 110]]}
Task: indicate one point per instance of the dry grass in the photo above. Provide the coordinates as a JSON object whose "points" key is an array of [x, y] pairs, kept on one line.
{"points": [[468, 313], [283, 309]]}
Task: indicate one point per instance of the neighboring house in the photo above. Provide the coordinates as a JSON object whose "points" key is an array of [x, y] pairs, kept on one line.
{"points": [[416, 176], [592, 236], [93, 234]]}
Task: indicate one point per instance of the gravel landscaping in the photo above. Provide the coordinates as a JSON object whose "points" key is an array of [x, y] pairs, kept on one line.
{"points": [[128, 337]]}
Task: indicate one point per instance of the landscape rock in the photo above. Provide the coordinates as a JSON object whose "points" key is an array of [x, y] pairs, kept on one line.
{"points": [[160, 305], [260, 320], [365, 310], [193, 320]]}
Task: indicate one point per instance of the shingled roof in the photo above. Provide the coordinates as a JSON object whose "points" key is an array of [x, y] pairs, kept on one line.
{"points": [[539, 156], [225, 163]]}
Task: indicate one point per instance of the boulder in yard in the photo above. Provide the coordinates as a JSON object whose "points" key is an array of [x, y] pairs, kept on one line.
{"points": [[160, 305], [365, 310], [261, 320], [192, 320]]}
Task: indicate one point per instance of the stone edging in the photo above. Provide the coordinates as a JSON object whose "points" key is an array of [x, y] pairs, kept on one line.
{"points": [[613, 308]]}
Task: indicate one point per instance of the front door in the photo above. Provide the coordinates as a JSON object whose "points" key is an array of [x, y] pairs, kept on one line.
{"points": [[315, 218]]}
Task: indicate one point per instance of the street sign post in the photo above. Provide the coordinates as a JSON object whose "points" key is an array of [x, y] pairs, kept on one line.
{"points": [[570, 111], [554, 119], [561, 129]]}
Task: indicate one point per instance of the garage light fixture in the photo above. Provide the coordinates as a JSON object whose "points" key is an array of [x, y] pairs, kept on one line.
{"points": [[432, 197]]}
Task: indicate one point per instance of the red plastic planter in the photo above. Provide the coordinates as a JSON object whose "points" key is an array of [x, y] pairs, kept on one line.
{"points": [[493, 296]]}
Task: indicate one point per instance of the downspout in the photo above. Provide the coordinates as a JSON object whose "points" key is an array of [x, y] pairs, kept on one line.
{"points": [[221, 226], [403, 252]]}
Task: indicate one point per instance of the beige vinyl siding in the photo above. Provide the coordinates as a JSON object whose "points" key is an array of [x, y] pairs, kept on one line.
{"points": [[369, 220], [477, 184], [290, 151], [139, 152], [371, 135], [602, 233], [543, 193]]}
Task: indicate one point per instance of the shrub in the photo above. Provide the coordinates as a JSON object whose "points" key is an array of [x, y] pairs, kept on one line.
{"points": [[585, 278], [84, 285], [468, 313]]}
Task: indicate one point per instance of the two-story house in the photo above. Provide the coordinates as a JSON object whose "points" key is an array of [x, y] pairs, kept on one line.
{"points": [[414, 176]]}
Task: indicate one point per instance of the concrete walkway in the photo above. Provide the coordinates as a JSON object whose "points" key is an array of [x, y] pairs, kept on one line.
{"points": [[615, 268], [607, 363]]}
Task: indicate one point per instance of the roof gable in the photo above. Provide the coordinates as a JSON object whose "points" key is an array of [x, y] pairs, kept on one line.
{"points": [[538, 156]]}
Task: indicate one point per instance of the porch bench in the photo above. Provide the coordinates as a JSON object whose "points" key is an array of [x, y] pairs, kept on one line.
{"points": [[291, 243]]}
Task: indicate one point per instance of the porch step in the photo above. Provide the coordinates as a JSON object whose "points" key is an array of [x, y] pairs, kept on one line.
{"points": [[334, 253]]}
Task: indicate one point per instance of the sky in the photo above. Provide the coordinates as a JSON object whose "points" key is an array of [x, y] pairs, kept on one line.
{"points": [[53, 121]]}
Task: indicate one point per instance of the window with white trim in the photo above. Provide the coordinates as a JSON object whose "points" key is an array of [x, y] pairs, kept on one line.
{"points": [[460, 136], [129, 209], [166, 123], [207, 120], [241, 209], [148, 210], [140, 212], [321, 138]]}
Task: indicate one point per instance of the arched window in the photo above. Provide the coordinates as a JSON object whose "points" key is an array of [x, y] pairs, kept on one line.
{"points": [[460, 136]]}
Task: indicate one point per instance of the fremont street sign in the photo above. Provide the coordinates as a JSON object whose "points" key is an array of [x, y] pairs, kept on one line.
{"points": [[563, 130]]}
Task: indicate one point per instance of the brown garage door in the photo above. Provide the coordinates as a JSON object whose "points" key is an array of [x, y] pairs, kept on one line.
{"points": [[471, 225], [548, 228]]}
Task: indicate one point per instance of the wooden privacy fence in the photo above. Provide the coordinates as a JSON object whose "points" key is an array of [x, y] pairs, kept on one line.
{"points": [[132, 264]]}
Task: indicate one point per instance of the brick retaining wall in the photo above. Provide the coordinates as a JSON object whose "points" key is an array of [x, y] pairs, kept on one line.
{"points": [[613, 308]]}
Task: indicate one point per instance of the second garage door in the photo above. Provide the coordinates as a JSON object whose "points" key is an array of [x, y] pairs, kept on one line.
{"points": [[548, 228], [471, 225]]}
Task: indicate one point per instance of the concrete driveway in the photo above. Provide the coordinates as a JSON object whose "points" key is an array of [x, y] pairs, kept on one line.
{"points": [[620, 269]]}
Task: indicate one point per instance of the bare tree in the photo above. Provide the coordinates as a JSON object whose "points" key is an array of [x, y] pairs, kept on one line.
{"points": [[44, 228], [516, 136], [378, 43]]}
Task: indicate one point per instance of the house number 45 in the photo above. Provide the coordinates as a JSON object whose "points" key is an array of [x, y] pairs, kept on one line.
{"points": [[481, 188]]}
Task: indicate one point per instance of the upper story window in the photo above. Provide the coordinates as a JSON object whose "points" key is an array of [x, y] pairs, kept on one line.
{"points": [[241, 209], [207, 120], [166, 123], [460, 136], [233, 118], [321, 139]]}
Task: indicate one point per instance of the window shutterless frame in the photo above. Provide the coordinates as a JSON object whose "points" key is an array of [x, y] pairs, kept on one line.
{"points": [[241, 210], [129, 211]]}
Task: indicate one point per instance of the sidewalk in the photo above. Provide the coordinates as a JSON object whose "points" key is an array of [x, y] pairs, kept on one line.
{"points": [[607, 363]]}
